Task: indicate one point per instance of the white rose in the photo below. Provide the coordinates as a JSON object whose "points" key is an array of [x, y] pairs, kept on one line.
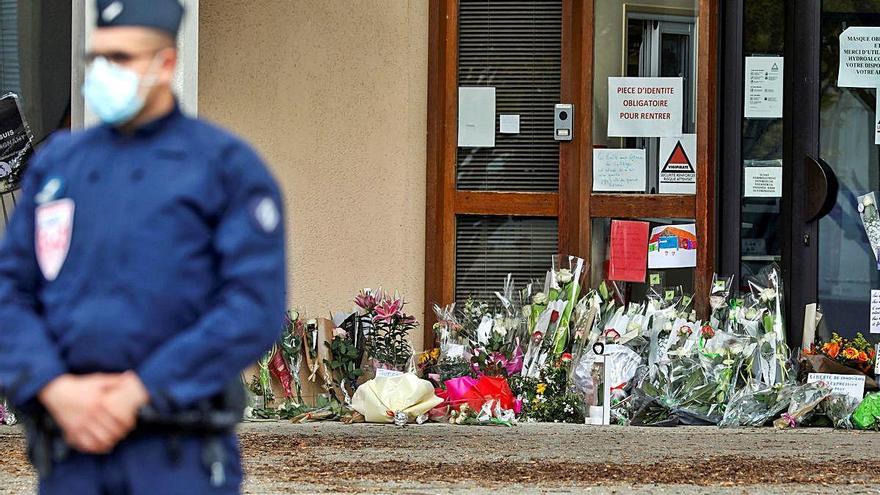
{"points": [[540, 299], [527, 311], [768, 294], [500, 330], [564, 276]]}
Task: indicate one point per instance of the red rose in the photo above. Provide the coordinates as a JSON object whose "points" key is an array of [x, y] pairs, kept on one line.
{"points": [[554, 317], [566, 357], [707, 331]]}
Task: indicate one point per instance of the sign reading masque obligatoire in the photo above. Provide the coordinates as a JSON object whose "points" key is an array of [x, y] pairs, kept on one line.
{"points": [[16, 143]]}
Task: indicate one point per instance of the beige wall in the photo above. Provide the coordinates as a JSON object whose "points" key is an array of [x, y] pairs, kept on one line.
{"points": [[333, 94]]}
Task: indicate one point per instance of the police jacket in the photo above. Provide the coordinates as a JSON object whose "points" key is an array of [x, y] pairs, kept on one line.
{"points": [[160, 252]]}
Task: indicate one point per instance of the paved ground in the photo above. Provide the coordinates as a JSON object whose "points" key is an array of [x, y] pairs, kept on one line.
{"points": [[534, 458]]}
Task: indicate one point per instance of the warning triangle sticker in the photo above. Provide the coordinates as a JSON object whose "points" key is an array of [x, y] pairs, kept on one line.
{"points": [[678, 161]]}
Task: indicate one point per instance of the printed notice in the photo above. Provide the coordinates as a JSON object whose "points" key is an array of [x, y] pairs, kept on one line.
{"points": [[476, 117], [509, 124], [645, 106], [859, 58], [619, 170], [763, 99], [875, 311], [763, 182], [678, 170], [851, 385]]}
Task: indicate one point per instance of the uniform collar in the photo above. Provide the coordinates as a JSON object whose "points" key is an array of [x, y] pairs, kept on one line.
{"points": [[155, 126]]}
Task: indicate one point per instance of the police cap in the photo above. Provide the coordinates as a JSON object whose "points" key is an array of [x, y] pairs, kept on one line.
{"points": [[164, 15]]}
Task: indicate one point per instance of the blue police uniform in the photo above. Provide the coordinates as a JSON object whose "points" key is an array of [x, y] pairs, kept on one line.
{"points": [[175, 269]]}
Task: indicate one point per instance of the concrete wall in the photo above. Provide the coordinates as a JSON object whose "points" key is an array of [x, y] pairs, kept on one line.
{"points": [[333, 94]]}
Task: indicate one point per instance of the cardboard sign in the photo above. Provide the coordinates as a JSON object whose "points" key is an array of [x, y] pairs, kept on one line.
{"points": [[673, 246], [476, 117], [678, 166], [859, 58], [645, 106], [763, 182], [619, 170], [875, 311], [628, 258], [16, 143], [851, 385], [764, 88]]}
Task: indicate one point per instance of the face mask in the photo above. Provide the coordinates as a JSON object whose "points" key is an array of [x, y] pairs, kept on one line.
{"points": [[114, 92]]}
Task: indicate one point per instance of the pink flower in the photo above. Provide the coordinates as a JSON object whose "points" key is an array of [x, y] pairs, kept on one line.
{"points": [[565, 358], [338, 332], [368, 299], [389, 309]]}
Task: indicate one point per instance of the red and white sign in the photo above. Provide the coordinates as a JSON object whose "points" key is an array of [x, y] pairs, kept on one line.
{"points": [[645, 106], [53, 231], [678, 166]]}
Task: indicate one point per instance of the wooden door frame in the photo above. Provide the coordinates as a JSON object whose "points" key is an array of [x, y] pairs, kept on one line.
{"points": [[575, 205]]}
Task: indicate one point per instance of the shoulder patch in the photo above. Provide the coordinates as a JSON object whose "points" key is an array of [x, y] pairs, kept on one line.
{"points": [[51, 190], [264, 211]]}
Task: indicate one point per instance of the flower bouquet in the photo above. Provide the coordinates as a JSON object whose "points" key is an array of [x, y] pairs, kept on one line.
{"points": [[767, 294], [388, 342], [551, 312], [547, 396], [858, 353], [291, 346]]}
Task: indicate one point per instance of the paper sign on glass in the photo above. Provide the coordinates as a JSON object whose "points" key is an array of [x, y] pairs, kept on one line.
{"points": [[678, 165], [851, 385], [763, 182], [673, 246], [645, 106], [476, 117], [859, 58], [877, 118], [875, 311], [619, 170], [763, 98], [628, 256]]}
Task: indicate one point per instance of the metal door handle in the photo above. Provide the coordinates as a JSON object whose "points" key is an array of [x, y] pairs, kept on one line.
{"points": [[821, 189]]}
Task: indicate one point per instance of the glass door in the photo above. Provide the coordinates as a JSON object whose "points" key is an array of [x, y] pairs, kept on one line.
{"points": [[834, 149]]}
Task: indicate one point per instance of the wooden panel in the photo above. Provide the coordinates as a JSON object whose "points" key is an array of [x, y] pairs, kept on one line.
{"points": [[440, 159], [642, 206], [707, 130], [507, 203], [575, 156]]}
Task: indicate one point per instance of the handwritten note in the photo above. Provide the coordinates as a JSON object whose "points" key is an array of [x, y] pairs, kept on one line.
{"points": [[619, 170], [851, 385], [875, 311], [628, 261]]}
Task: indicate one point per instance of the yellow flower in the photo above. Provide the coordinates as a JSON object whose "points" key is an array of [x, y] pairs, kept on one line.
{"points": [[850, 353], [423, 357], [540, 388], [435, 354]]}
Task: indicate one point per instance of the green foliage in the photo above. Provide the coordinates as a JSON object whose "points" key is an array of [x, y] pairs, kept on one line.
{"points": [[343, 365], [389, 342], [546, 398]]}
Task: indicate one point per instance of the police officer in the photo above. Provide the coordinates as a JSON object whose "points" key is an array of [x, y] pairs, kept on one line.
{"points": [[143, 269]]}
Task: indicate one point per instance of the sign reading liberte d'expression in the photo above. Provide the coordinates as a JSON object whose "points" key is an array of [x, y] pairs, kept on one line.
{"points": [[645, 106]]}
